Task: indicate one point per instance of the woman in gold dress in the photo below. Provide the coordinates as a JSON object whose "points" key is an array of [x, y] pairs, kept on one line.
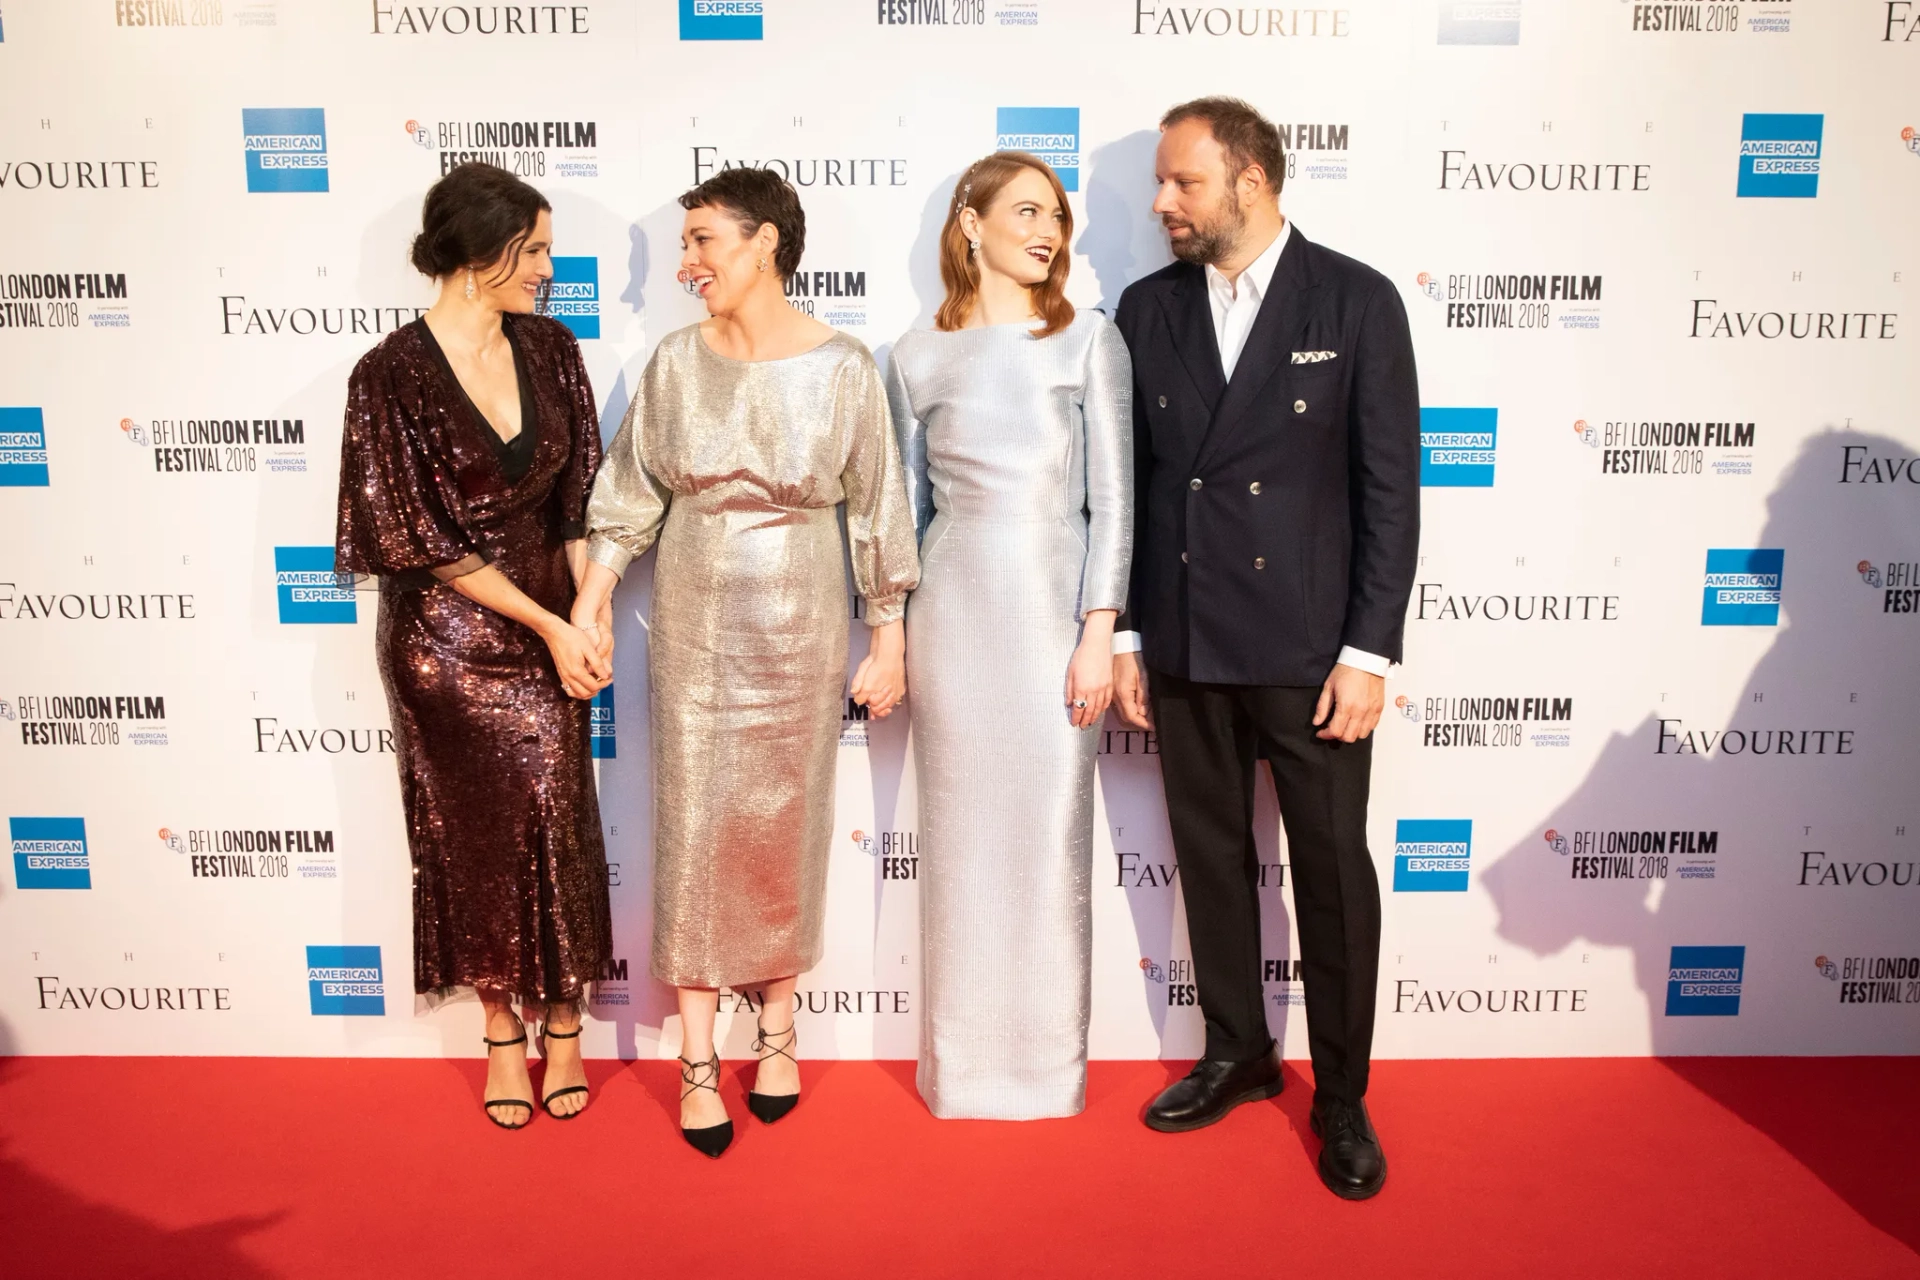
{"points": [[745, 434]]}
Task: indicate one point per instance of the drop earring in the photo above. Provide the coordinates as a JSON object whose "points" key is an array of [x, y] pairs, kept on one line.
{"points": [[469, 284], [761, 264], [976, 248]]}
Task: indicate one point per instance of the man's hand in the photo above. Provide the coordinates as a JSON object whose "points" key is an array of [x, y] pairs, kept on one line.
{"points": [[1355, 699], [1130, 690]]}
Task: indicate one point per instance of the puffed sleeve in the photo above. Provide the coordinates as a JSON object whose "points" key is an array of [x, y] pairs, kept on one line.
{"points": [[880, 532], [1107, 407], [628, 503], [912, 434], [400, 507], [583, 464]]}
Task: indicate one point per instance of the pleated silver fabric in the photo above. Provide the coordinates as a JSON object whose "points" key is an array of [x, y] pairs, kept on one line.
{"points": [[1019, 458], [737, 467]]}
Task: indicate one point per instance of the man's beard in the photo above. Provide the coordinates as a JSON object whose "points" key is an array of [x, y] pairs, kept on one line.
{"points": [[1207, 243]]}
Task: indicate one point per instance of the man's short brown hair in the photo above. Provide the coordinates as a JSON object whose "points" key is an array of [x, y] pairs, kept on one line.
{"points": [[1243, 133]]}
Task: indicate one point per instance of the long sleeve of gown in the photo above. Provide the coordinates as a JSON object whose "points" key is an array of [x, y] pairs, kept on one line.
{"points": [[400, 509], [583, 464], [880, 526], [912, 434], [628, 503], [1108, 411]]}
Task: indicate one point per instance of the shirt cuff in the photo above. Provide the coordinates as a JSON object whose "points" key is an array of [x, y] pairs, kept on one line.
{"points": [[604, 550], [1372, 663], [886, 611], [1126, 642]]}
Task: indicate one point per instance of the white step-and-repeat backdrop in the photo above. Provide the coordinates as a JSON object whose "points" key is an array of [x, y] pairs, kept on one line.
{"points": [[1648, 780]]}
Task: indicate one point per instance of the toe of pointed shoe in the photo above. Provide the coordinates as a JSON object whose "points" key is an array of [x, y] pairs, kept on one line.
{"points": [[711, 1141], [768, 1107]]}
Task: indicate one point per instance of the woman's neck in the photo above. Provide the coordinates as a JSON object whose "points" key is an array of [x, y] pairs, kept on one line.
{"points": [[763, 326], [1001, 300], [466, 323]]}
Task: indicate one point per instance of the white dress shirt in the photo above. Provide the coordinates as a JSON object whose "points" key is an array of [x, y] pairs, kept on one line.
{"points": [[1235, 305]]}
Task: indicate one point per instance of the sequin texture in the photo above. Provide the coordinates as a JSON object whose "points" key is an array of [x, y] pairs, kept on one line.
{"points": [[737, 468], [1019, 455], [503, 824]]}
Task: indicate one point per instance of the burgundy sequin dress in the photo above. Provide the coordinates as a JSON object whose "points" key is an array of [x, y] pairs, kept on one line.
{"points": [[509, 871]]}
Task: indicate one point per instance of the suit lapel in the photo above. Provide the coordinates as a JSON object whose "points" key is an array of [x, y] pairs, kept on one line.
{"points": [[1291, 297], [1190, 321], [1190, 325]]}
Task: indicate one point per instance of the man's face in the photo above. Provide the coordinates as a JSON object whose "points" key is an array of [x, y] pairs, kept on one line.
{"points": [[1198, 203]]}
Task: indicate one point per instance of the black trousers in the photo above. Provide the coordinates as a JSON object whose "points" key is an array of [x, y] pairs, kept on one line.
{"points": [[1211, 735]]}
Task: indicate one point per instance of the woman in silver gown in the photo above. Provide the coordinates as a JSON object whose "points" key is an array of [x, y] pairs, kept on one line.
{"points": [[745, 434], [1016, 429]]}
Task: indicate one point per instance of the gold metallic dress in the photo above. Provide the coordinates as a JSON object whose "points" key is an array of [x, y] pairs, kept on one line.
{"points": [[737, 467]]}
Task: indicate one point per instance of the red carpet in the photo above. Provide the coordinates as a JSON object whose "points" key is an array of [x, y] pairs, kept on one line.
{"points": [[1617, 1168]]}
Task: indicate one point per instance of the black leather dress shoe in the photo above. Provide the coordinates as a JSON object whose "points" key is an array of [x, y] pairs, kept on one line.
{"points": [[1212, 1089], [1351, 1162]]}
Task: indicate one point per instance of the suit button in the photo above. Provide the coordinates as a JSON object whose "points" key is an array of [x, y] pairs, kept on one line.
{"points": [[1194, 483], [1163, 402], [1259, 562], [1183, 557], [1299, 406], [1254, 487]]}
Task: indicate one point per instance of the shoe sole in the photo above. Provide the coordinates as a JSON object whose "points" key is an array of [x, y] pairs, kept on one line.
{"points": [[1264, 1092], [1347, 1193]]}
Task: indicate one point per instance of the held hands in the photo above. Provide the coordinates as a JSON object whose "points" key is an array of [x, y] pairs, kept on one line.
{"points": [[880, 681], [593, 606], [584, 669], [1090, 673], [1355, 698], [596, 621], [1130, 690]]}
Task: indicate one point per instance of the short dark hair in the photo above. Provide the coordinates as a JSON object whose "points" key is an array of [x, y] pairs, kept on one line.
{"points": [[1242, 132], [756, 197], [471, 217]]}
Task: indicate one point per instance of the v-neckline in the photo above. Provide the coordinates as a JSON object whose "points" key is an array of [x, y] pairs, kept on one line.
{"points": [[515, 456]]}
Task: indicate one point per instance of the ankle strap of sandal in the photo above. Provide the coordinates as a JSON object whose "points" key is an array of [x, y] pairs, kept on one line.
{"points": [[689, 1078], [764, 1042], [501, 1044], [551, 1034]]}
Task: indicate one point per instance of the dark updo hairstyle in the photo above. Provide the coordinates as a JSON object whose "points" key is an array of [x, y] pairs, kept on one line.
{"points": [[472, 217], [756, 197]]}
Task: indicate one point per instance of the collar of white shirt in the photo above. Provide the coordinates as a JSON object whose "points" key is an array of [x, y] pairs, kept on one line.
{"points": [[1258, 275]]}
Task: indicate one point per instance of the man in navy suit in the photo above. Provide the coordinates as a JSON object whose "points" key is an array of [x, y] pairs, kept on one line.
{"points": [[1277, 523]]}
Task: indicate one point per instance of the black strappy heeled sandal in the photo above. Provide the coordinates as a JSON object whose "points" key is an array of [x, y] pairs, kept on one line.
{"points": [[546, 1103], [713, 1139], [768, 1107], [506, 1102]]}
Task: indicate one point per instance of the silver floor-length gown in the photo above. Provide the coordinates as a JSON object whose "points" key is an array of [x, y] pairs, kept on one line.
{"points": [[737, 467], [1019, 457]]}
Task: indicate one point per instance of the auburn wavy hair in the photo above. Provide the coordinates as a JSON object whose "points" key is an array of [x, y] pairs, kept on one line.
{"points": [[977, 189]]}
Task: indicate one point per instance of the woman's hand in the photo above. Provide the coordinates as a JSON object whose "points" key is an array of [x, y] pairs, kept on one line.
{"points": [[593, 608], [583, 670], [596, 621], [1090, 673], [880, 682]]}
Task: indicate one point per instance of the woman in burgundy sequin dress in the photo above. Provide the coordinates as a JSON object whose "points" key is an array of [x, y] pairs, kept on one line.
{"points": [[471, 444]]}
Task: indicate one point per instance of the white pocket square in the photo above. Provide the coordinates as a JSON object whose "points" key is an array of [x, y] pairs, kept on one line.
{"points": [[1313, 357]]}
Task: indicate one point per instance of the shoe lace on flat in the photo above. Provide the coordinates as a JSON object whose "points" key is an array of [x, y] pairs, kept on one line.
{"points": [[1342, 1121]]}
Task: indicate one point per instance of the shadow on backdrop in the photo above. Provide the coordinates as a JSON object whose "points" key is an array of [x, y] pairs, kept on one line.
{"points": [[1122, 240], [1820, 657]]}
